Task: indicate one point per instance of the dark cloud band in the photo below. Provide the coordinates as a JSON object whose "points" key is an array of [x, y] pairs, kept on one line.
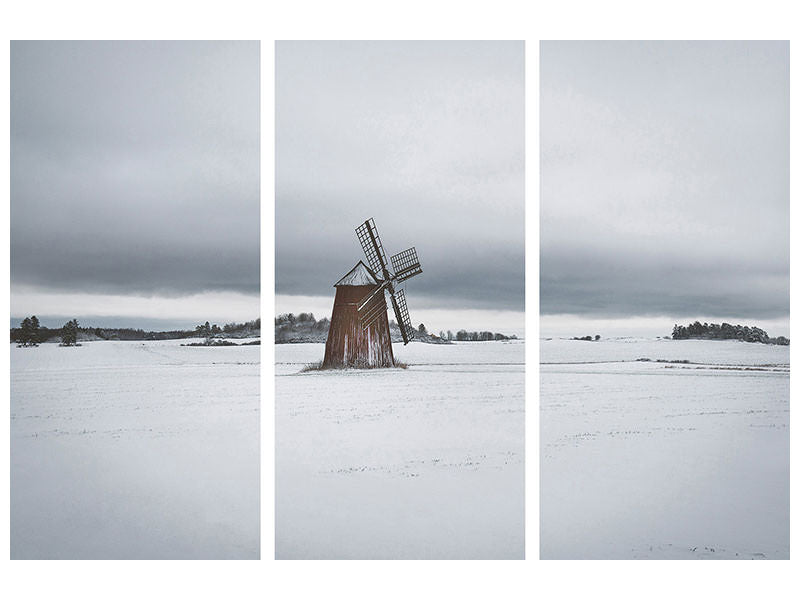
{"points": [[135, 166]]}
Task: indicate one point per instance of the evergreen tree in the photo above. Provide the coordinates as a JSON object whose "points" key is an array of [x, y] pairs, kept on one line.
{"points": [[205, 331], [69, 333], [29, 331], [25, 331], [34, 331]]}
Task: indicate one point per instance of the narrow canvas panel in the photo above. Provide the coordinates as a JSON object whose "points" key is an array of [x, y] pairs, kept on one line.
{"points": [[664, 299], [135, 298]]}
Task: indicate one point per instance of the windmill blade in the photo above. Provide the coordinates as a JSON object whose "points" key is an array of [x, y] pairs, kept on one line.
{"points": [[377, 291], [372, 306], [401, 313], [372, 310], [406, 264], [373, 249]]}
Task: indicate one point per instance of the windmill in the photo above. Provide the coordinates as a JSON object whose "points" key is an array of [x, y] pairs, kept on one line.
{"points": [[359, 331]]}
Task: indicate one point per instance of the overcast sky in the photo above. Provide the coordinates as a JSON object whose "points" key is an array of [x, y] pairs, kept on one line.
{"points": [[665, 180], [135, 180], [427, 138]]}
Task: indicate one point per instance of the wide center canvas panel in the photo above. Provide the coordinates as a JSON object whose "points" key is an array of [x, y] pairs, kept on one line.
{"points": [[400, 300]]}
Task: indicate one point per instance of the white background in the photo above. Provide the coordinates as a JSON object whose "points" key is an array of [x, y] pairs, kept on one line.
{"points": [[410, 19]]}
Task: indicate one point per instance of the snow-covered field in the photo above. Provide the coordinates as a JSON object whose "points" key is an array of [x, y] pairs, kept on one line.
{"points": [[426, 462], [134, 450], [664, 459]]}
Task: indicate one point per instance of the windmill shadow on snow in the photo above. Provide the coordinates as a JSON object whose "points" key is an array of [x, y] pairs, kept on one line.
{"points": [[359, 335]]}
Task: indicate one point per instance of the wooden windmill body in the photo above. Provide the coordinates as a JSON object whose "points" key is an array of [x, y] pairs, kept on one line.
{"points": [[349, 344], [359, 334]]}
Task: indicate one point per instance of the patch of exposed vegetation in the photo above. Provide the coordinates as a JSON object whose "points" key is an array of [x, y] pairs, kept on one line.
{"points": [[663, 360], [318, 366]]}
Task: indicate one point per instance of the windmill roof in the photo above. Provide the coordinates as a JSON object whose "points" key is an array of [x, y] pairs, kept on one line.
{"points": [[361, 274]]}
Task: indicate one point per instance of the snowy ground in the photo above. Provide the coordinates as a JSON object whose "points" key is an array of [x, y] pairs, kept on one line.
{"points": [[134, 450], [664, 459], [425, 462]]}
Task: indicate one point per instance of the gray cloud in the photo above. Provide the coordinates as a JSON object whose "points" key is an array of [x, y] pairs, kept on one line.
{"points": [[427, 138], [665, 178], [607, 284], [135, 166]]}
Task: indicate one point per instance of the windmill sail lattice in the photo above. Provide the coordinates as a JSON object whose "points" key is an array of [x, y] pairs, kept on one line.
{"points": [[371, 308], [371, 243], [401, 311], [405, 265]]}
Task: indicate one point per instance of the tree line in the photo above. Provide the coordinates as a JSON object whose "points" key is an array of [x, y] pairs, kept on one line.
{"points": [[303, 321], [303, 327], [725, 331], [292, 319], [287, 323], [476, 336], [210, 332], [30, 333]]}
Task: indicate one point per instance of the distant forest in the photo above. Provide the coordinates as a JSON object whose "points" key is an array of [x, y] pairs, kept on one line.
{"points": [[726, 331], [291, 328], [30, 333]]}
